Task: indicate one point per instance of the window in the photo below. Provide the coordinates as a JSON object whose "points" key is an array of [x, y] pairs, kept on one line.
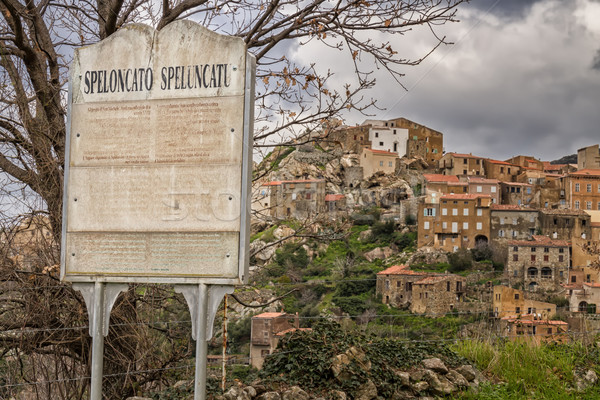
{"points": [[479, 226], [501, 233], [389, 164], [501, 220], [577, 187], [545, 258], [444, 211], [479, 212], [561, 258], [381, 163], [533, 258], [515, 234], [493, 189], [444, 225], [376, 134], [588, 205], [465, 211], [307, 196], [589, 188], [426, 225], [577, 204], [562, 250], [455, 211], [528, 190], [381, 143], [518, 310], [533, 249], [514, 221], [479, 189], [429, 212], [516, 296], [293, 196], [465, 225], [546, 250], [515, 272], [465, 161]]}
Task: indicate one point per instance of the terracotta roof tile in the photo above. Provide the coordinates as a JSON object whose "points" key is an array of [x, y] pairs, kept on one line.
{"points": [[334, 197], [270, 315], [400, 270], [462, 155], [586, 172], [383, 152], [440, 178], [539, 240]]}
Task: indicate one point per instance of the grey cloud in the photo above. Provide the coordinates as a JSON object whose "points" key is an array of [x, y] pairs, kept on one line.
{"points": [[505, 8], [596, 61]]}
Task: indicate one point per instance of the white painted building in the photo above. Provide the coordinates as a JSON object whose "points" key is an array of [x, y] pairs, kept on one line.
{"points": [[384, 135]]}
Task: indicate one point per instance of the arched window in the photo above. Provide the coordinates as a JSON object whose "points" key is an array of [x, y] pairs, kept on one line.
{"points": [[532, 272]]}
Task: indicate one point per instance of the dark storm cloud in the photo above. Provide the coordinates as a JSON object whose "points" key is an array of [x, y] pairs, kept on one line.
{"points": [[505, 8]]}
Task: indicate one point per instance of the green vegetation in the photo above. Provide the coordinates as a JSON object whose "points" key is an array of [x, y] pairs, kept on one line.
{"points": [[526, 371]]}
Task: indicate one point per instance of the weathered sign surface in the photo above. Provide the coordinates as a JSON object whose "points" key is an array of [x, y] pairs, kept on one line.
{"points": [[158, 158]]}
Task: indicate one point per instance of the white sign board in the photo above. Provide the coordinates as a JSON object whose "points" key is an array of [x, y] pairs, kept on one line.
{"points": [[158, 158]]}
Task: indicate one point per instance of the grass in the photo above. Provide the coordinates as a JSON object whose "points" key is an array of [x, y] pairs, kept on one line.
{"points": [[525, 371]]}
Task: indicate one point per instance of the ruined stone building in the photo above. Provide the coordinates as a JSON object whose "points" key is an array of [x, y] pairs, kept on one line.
{"points": [[534, 330], [511, 222], [454, 221], [509, 302], [296, 198], [265, 332], [349, 138], [540, 263], [501, 170], [565, 224], [421, 292], [588, 157], [461, 164], [517, 193]]}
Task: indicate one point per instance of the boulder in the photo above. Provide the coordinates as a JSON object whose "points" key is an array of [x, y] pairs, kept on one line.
{"points": [[295, 393], [435, 364], [468, 372], [380, 253], [439, 385], [404, 377], [457, 379], [269, 396], [366, 391], [420, 386], [337, 395]]}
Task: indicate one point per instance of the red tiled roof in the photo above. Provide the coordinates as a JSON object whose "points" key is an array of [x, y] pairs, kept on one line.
{"points": [[431, 280], [539, 240], [383, 152], [515, 184], [440, 178], [464, 196], [586, 172], [594, 285], [501, 162], [334, 197], [464, 155], [400, 270], [269, 315]]}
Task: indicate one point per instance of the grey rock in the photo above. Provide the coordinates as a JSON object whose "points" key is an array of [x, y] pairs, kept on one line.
{"points": [[439, 384], [295, 393], [236, 393], [591, 377], [269, 396], [457, 379], [402, 395], [417, 375], [404, 377], [366, 391], [468, 372], [250, 391], [420, 386], [436, 365]]}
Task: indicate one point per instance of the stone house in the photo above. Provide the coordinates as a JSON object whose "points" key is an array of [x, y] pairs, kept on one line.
{"points": [[455, 221], [421, 292], [481, 185], [461, 164], [373, 161], [335, 204], [538, 264], [526, 162], [298, 199], [438, 294], [510, 222], [583, 189], [534, 330], [422, 141], [517, 193], [509, 302], [558, 169], [565, 224], [443, 184], [264, 332], [588, 157], [395, 285], [501, 170], [349, 138]]}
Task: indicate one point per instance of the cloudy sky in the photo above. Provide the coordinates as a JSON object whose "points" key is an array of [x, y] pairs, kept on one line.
{"points": [[523, 77]]}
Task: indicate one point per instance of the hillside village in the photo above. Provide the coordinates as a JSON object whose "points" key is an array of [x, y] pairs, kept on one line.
{"points": [[535, 225]]}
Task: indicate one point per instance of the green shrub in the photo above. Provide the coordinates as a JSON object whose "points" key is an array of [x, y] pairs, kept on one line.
{"points": [[291, 255], [460, 260]]}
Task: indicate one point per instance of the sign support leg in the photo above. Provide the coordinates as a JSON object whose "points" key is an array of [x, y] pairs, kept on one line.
{"points": [[99, 299], [203, 302]]}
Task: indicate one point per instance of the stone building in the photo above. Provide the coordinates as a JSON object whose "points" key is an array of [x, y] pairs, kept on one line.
{"points": [[461, 164], [501, 170], [535, 331], [516, 193], [583, 189], [509, 302], [299, 199], [443, 184], [481, 185], [349, 138], [335, 205], [454, 221], [422, 141], [538, 264], [264, 332], [588, 157], [526, 162], [565, 224], [395, 285], [373, 161], [585, 298], [438, 294], [421, 292], [510, 222]]}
